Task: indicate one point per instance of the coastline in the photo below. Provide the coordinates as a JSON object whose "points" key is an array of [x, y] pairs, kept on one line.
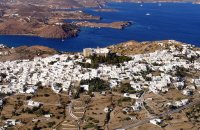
{"points": [[37, 36], [146, 2], [113, 25], [131, 47], [107, 74], [93, 37], [17, 28]]}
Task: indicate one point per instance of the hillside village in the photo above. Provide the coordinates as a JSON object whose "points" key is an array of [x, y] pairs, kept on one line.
{"points": [[133, 78]]}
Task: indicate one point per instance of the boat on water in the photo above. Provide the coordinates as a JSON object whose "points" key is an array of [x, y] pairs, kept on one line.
{"points": [[159, 4], [141, 5], [147, 14]]}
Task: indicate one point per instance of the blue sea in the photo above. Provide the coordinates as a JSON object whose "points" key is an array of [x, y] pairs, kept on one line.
{"points": [[177, 21]]}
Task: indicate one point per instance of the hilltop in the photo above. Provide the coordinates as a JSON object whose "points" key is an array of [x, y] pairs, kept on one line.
{"points": [[125, 48], [25, 52], [134, 47], [144, 90]]}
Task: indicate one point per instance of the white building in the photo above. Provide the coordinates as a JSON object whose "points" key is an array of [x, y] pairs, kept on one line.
{"points": [[1, 103], [138, 105], [34, 104], [187, 92], [12, 122], [85, 87], [156, 121], [133, 96]]}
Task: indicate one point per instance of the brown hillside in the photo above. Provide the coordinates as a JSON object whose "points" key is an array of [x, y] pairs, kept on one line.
{"points": [[133, 47], [25, 52]]}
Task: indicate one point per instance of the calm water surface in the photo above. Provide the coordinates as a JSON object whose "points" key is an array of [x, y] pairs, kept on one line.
{"points": [[178, 21]]}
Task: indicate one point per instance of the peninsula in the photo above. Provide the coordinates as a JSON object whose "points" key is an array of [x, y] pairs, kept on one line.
{"points": [[106, 10], [114, 25], [54, 19], [39, 20]]}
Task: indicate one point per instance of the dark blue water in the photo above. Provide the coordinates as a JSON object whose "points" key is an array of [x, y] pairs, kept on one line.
{"points": [[178, 21]]}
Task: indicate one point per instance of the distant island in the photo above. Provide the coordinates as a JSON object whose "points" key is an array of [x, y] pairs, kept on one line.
{"points": [[114, 25]]}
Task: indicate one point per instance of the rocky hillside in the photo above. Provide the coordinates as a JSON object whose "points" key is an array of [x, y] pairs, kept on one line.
{"points": [[25, 52], [13, 27], [79, 3], [133, 47]]}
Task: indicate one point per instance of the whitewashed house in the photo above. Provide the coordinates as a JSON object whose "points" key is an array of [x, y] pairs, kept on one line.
{"points": [[138, 105], [30, 91], [179, 85], [33, 103], [85, 87], [12, 122], [156, 121], [187, 92], [132, 96], [181, 103], [56, 87], [1, 103], [197, 82], [136, 86]]}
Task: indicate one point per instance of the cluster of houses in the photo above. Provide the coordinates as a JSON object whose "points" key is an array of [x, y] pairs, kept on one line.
{"points": [[62, 71], [178, 104]]}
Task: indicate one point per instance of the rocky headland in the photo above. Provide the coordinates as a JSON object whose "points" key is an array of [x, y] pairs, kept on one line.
{"points": [[114, 25], [48, 19]]}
